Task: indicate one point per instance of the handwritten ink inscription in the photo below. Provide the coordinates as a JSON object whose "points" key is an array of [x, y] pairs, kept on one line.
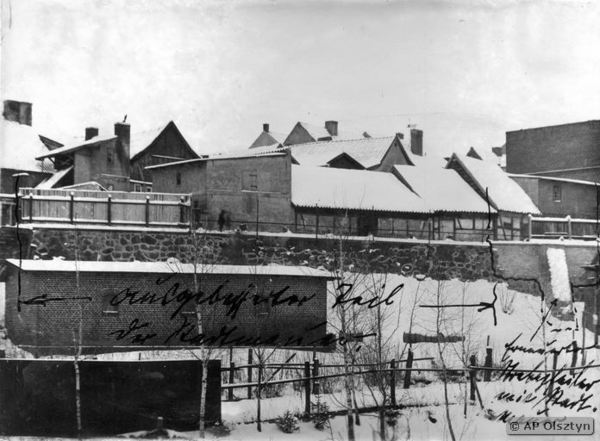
{"points": [[185, 331], [564, 387]]}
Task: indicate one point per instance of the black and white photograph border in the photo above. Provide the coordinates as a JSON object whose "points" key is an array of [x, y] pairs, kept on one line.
{"points": [[315, 220]]}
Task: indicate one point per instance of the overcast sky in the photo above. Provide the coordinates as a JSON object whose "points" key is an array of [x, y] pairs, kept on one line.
{"points": [[463, 74]]}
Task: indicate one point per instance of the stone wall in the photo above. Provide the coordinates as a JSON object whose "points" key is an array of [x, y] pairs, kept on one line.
{"points": [[444, 260]]}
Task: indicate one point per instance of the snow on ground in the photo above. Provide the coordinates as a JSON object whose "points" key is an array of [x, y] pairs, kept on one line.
{"points": [[518, 321]]}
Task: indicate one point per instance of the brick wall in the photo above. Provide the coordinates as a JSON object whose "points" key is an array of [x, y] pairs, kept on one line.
{"points": [[577, 200], [560, 147], [56, 324]]}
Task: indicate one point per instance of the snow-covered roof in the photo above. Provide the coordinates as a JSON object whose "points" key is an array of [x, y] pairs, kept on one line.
{"points": [[278, 137], [164, 268], [335, 188], [78, 145], [319, 132], [141, 140], [369, 152], [20, 145], [54, 179], [443, 189], [484, 155], [90, 185], [504, 193]]}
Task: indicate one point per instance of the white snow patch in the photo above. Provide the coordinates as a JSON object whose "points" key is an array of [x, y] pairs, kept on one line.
{"points": [[559, 274]]}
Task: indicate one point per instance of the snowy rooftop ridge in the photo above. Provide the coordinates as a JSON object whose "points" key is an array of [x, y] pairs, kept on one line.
{"points": [[78, 145], [336, 188], [369, 152], [20, 145], [443, 189], [504, 193]]}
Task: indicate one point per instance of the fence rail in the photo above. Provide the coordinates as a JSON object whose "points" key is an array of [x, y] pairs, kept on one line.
{"points": [[104, 208], [556, 227]]}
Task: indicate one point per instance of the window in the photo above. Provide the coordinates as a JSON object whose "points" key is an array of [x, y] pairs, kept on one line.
{"points": [[178, 178], [189, 308], [556, 193], [137, 188], [110, 155], [107, 307], [249, 181]]}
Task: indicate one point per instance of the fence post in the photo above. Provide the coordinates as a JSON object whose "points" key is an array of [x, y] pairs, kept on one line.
{"points": [[249, 373], [407, 373], [30, 207], [181, 211], [147, 211], [393, 381], [72, 207], [472, 376], [317, 224], [569, 227], [583, 360], [530, 226], [231, 372], [487, 374], [551, 387], [109, 210], [307, 387], [316, 374]]}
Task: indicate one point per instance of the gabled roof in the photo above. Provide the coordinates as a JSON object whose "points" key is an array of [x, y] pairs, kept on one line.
{"points": [[93, 142], [140, 141], [369, 152], [321, 133], [484, 155], [345, 189], [504, 193], [442, 189], [20, 145], [54, 179], [317, 132]]}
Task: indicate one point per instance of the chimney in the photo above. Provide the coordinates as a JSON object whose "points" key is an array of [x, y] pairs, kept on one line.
{"points": [[90, 132], [400, 135], [332, 127], [122, 130], [18, 111], [266, 127], [416, 142]]}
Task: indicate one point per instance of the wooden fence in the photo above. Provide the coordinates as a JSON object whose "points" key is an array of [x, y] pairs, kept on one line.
{"points": [[556, 227], [310, 374], [107, 208]]}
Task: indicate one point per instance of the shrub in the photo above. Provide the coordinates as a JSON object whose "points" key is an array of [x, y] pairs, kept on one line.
{"points": [[287, 423], [320, 414], [391, 417]]}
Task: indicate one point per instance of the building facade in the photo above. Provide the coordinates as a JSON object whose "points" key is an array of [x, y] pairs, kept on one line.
{"points": [[134, 304], [563, 151]]}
